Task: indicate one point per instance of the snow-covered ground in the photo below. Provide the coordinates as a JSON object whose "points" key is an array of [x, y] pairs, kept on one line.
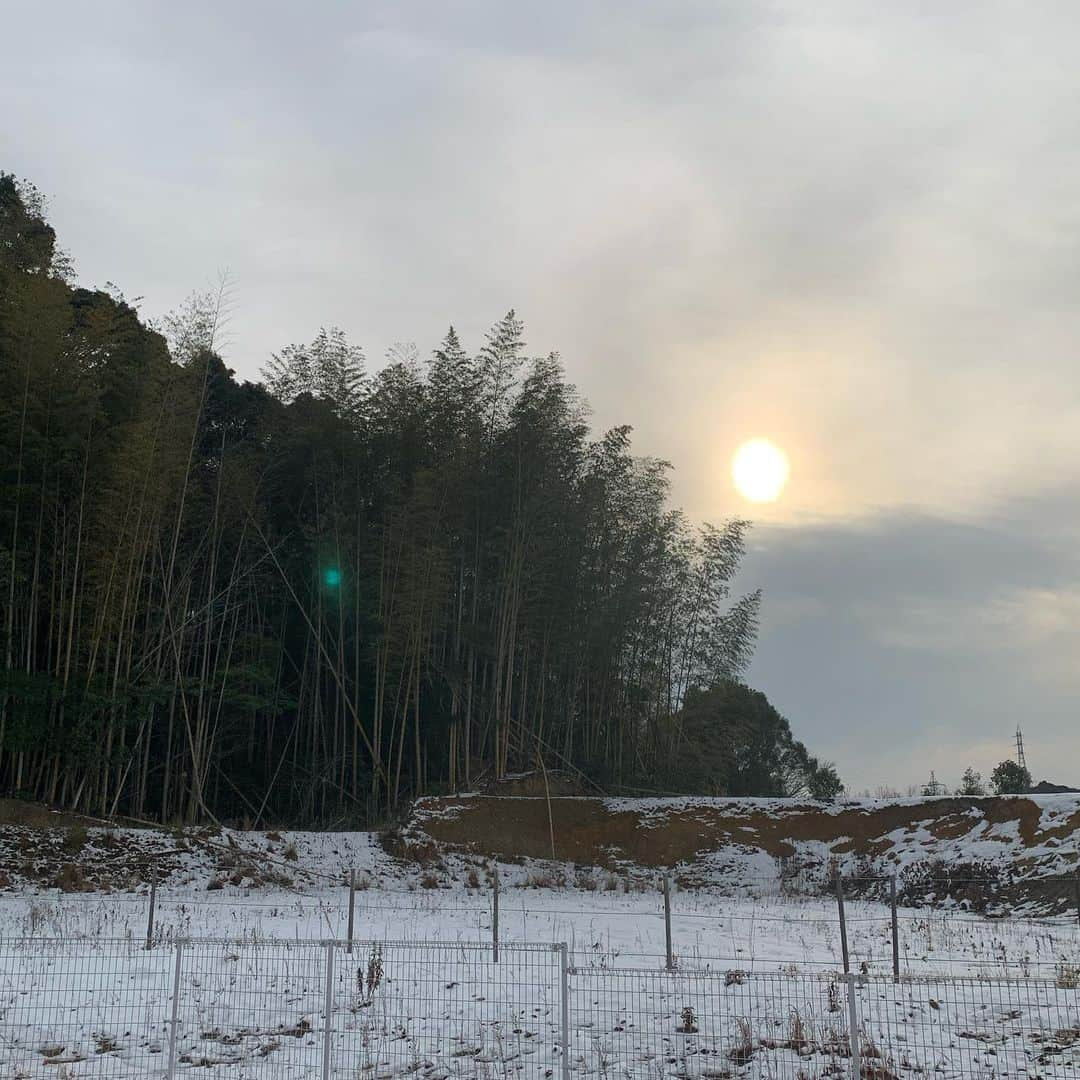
{"points": [[243, 920], [601, 929], [81, 996]]}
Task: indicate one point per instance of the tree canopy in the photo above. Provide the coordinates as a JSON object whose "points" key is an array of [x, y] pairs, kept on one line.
{"points": [[971, 783], [312, 598], [1010, 778], [732, 741]]}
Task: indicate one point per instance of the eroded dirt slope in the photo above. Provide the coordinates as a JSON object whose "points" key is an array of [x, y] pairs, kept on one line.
{"points": [[1026, 846]]}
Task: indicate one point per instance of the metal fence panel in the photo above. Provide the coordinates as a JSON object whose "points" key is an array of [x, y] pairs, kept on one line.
{"points": [[649, 1023], [968, 1027], [260, 1009], [256, 1007], [77, 1009], [439, 1009], [275, 1010]]}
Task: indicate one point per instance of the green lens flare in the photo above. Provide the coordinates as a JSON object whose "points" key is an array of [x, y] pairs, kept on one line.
{"points": [[332, 577]]}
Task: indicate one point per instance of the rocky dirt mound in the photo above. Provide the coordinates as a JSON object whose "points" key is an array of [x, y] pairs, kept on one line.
{"points": [[44, 849]]}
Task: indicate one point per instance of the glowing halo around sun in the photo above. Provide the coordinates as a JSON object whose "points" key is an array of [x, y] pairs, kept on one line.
{"points": [[760, 470]]}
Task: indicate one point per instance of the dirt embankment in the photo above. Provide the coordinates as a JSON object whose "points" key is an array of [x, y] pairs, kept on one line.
{"points": [[717, 841], [41, 848]]}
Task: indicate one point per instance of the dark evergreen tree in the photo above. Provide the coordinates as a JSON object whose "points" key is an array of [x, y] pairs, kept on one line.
{"points": [[1009, 778], [731, 741]]}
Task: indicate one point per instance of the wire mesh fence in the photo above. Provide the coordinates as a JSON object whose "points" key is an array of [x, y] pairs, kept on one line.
{"points": [[869, 929], [441, 1009], [259, 1009], [735, 1023], [969, 1027], [281, 1009], [72, 1010], [717, 1024], [383, 1009]]}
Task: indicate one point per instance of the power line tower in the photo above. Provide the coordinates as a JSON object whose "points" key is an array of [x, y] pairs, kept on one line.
{"points": [[934, 786], [1020, 759]]}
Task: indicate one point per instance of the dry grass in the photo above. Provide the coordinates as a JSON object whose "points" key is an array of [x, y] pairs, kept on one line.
{"points": [[1067, 976], [74, 840], [70, 879], [546, 879], [742, 1050]]}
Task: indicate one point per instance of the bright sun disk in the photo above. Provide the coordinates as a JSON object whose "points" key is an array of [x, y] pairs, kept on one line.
{"points": [[760, 470]]}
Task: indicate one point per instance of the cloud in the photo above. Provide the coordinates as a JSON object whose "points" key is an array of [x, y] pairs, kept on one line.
{"points": [[911, 642], [848, 227], [1004, 620]]}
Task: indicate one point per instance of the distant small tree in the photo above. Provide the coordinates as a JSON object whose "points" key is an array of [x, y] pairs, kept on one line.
{"points": [[1009, 778], [824, 783], [971, 783]]}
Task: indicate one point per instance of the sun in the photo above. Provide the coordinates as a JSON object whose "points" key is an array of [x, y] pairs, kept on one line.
{"points": [[760, 470]]}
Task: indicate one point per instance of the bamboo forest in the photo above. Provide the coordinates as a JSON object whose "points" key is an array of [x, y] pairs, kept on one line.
{"points": [[317, 596]]}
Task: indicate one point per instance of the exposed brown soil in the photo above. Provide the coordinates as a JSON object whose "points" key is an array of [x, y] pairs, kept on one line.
{"points": [[74, 858], [588, 831], [19, 812], [677, 836], [41, 848]]}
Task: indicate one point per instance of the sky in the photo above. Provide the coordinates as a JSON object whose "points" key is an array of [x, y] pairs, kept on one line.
{"points": [[852, 228]]}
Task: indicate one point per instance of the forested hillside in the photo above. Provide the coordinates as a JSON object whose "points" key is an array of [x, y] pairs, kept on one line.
{"points": [[313, 598]]}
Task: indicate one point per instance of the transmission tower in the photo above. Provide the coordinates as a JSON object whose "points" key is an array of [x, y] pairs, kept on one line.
{"points": [[1020, 759]]}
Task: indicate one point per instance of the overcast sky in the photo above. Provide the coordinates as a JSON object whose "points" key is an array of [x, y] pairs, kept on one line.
{"points": [[849, 227]]}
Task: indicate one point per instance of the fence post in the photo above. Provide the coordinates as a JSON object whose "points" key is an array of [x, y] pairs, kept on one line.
{"points": [[495, 913], [564, 964], [174, 1019], [1076, 886], [843, 921], [853, 1028], [150, 914], [352, 906], [895, 931], [328, 1009], [667, 924]]}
